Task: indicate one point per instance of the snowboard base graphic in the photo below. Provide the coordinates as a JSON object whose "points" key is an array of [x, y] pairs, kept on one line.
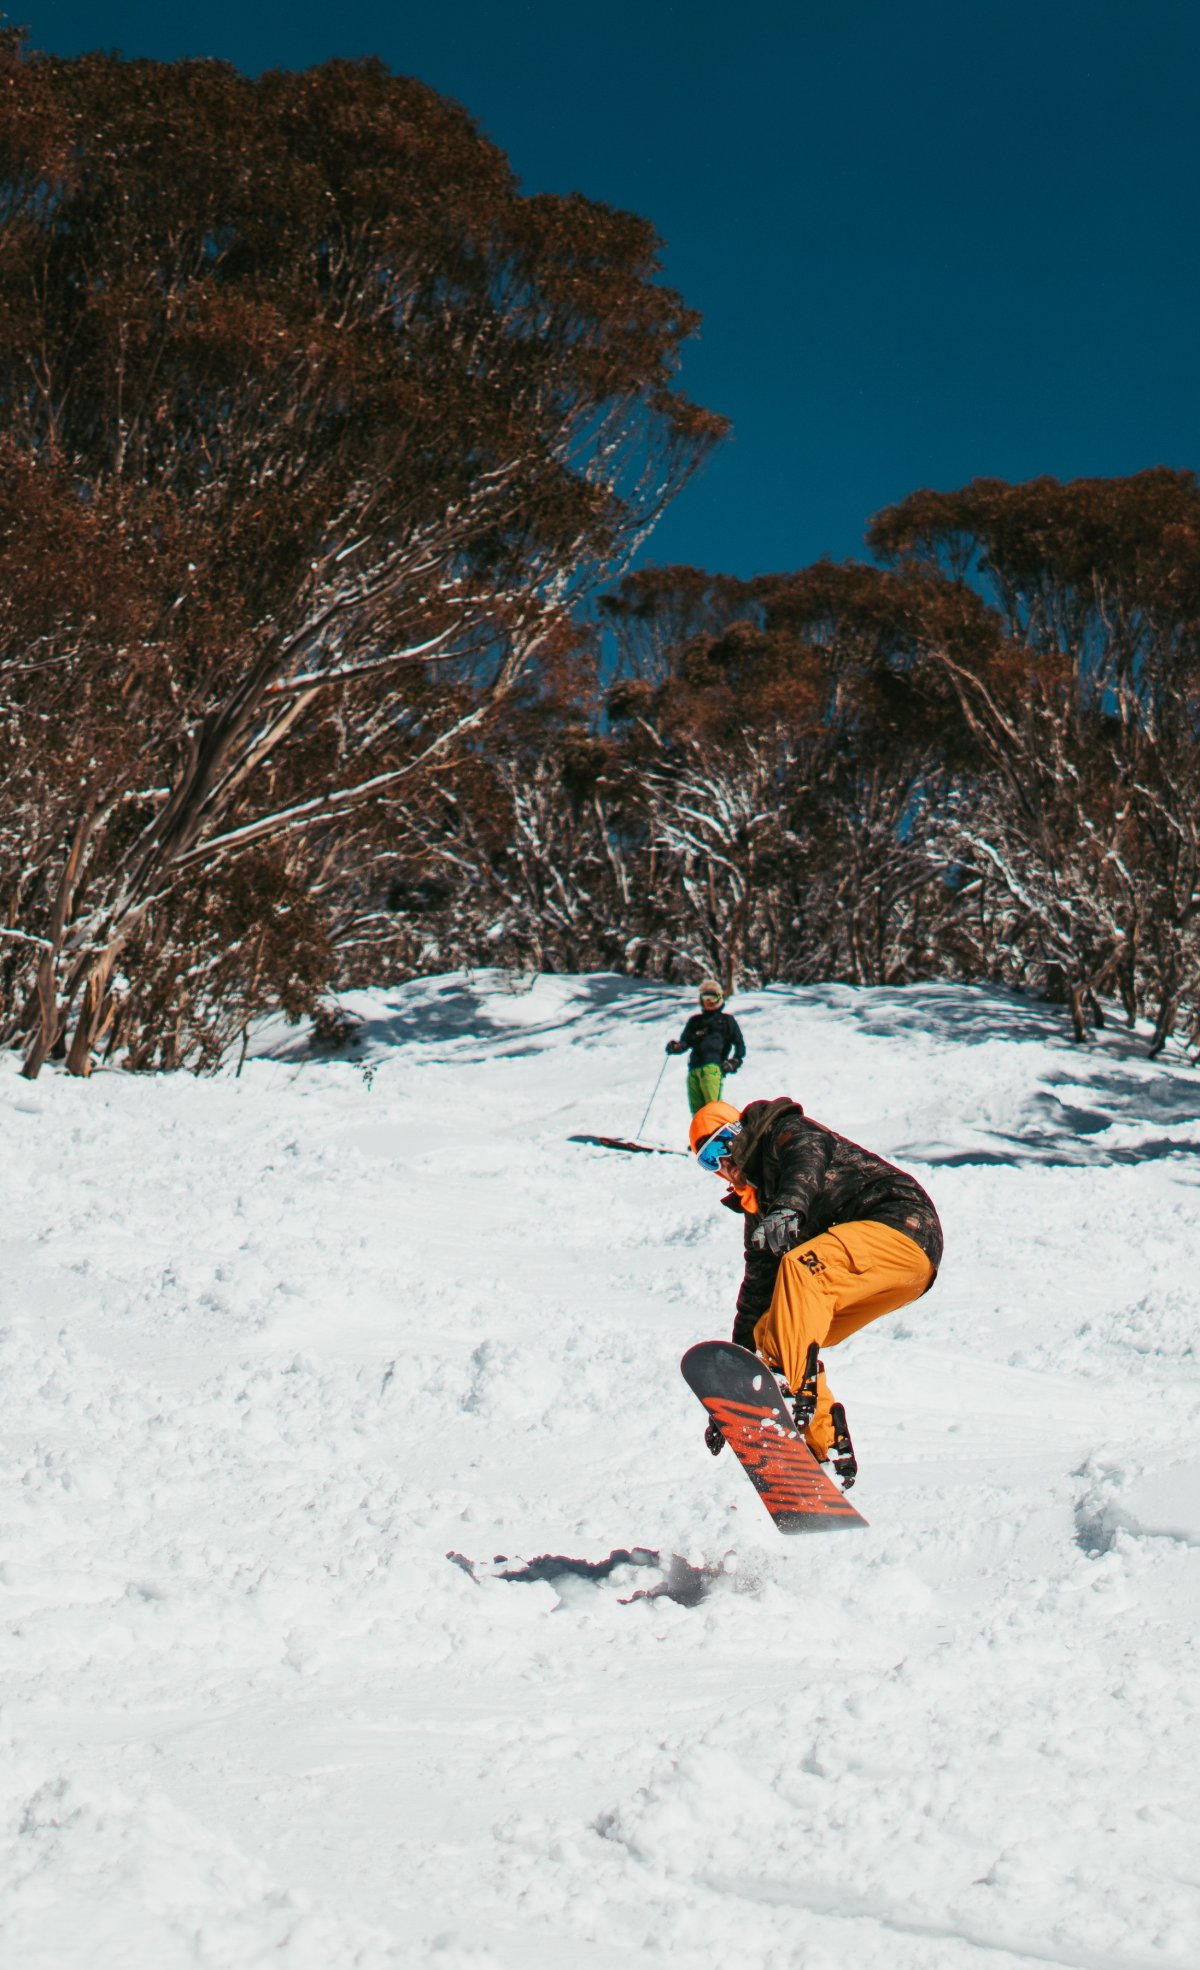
{"points": [[745, 1403]]}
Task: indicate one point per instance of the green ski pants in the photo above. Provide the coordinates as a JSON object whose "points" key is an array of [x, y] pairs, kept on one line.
{"points": [[704, 1084]]}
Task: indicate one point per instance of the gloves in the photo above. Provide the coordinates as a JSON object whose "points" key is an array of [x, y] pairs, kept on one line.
{"points": [[675, 1046], [776, 1233], [730, 1066]]}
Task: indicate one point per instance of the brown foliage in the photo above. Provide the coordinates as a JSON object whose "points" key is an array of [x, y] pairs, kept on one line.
{"points": [[315, 433], [979, 760], [1085, 814]]}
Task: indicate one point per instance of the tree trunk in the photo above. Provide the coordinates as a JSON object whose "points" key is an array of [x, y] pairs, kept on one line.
{"points": [[94, 1015], [51, 1014], [48, 1020], [1164, 1025]]}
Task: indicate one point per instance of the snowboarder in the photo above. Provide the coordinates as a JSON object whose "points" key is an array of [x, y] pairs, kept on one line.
{"points": [[718, 1048], [834, 1237]]}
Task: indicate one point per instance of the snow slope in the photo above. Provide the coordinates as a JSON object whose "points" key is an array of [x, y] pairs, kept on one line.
{"points": [[272, 1347]]}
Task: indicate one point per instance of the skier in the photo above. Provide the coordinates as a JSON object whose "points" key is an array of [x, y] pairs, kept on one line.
{"points": [[717, 1046], [834, 1237]]}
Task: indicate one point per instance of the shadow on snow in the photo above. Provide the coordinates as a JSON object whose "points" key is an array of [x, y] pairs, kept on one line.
{"points": [[678, 1579], [1078, 1094]]}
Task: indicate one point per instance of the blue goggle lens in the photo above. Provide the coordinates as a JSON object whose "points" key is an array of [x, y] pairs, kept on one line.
{"points": [[718, 1145]]}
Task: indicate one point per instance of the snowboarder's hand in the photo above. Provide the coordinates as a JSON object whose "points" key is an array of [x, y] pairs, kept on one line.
{"points": [[730, 1066], [776, 1233], [674, 1046]]}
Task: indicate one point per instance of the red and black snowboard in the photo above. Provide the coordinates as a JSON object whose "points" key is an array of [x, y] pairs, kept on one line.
{"points": [[745, 1404]]}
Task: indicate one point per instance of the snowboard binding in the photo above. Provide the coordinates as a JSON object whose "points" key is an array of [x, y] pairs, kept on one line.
{"points": [[845, 1463], [804, 1405], [805, 1402]]}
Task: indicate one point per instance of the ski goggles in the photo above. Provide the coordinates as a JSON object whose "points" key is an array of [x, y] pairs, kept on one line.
{"points": [[711, 1152]]}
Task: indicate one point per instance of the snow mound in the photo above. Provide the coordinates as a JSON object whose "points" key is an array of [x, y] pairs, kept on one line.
{"points": [[1163, 1505]]}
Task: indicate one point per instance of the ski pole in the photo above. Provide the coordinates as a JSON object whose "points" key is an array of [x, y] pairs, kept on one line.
{"points": [[649, 1105]]}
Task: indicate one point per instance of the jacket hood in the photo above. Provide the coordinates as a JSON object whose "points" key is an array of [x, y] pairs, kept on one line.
{"points": [[757, 1120]]}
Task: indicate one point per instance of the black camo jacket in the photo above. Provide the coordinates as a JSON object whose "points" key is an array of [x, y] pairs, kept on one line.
{"points": [[798, 1165]]}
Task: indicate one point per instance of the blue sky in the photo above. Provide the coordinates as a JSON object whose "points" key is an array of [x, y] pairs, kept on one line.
{"points": [[929, 241]]}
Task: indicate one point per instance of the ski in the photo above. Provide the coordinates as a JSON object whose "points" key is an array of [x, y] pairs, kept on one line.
{"points": [[624, 1142]]}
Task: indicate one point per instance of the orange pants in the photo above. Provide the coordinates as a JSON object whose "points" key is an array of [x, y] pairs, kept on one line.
{"points": [[829, 1288]]}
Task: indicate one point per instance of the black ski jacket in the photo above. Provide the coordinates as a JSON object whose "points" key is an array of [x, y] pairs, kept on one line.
{"points": [[796, 1164], [713, 1037]]}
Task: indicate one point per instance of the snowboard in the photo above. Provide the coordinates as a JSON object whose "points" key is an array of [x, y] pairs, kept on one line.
{"points": [[745, 1403], [623, 1142]]}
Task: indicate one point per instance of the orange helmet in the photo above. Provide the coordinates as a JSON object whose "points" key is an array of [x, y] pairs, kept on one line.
{"points": [[707, 1120]]}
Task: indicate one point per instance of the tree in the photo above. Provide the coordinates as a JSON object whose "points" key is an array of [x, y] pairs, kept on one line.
{"points": [[792, 756], [1086, 714], [316, 431], [979, 760]]}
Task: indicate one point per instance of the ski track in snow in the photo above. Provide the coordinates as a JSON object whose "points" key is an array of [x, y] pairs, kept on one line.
{"points": [[272, 1347]]}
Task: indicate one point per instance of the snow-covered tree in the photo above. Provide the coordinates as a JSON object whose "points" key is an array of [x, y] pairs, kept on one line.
{"points": [[315, 432]]}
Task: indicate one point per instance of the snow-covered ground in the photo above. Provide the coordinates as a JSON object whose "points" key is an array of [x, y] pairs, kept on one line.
{"points": [[273, 1347]]}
